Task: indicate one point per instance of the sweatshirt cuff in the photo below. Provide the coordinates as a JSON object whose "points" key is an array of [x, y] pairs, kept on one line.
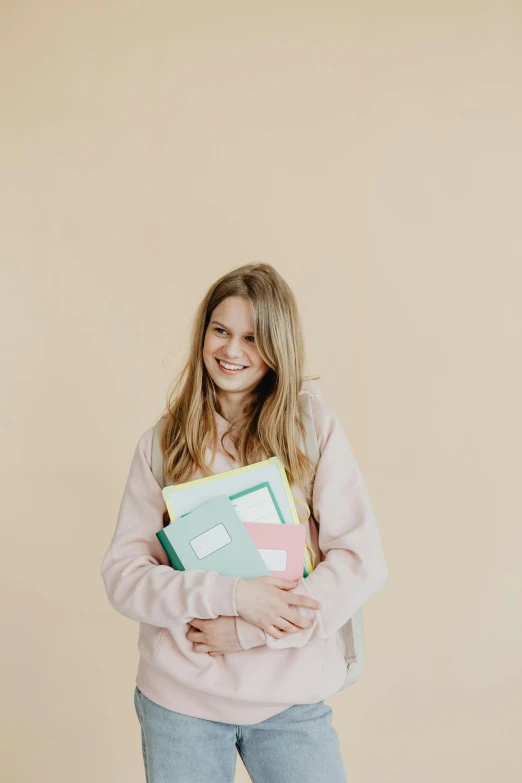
{"points": [[222, 595], [248, 634]]}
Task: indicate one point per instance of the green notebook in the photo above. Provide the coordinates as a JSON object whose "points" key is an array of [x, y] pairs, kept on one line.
{"points": [[213, 537]]}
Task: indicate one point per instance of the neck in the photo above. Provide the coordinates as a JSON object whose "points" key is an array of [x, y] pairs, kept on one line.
{"points": [[231, 406]]}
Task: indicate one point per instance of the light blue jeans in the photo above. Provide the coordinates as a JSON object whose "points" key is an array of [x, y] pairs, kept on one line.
{"points": [[298, 745]]}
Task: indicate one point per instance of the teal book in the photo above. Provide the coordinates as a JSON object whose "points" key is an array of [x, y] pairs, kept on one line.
{"points": [[214, 538]]}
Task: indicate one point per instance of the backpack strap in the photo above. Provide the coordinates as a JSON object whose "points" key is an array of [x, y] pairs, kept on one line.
{"points": [[157, 454]]}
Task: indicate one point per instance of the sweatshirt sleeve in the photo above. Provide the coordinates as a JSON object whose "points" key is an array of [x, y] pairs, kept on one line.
{"points": [[139, 581], [354, 567]]}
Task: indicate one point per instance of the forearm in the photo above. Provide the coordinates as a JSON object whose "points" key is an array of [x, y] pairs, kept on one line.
{"points": [[155, 593]]}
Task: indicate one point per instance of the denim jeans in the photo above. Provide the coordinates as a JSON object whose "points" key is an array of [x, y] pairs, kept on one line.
{"points": [[298, 745]]}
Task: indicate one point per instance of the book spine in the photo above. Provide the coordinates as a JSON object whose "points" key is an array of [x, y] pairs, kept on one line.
{"points": [[171, 552]]}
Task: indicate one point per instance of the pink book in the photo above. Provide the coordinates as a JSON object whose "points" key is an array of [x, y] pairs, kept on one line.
{"points": [[281, 547]]}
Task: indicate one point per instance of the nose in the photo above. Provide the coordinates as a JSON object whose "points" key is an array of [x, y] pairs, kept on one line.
{"points": [[232, 350]]}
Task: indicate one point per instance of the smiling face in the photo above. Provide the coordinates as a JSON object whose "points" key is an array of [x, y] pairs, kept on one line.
{"points": [[230, 339]]}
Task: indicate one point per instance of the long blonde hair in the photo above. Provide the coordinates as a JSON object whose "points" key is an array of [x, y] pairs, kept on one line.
{"points": [[271, 423]]}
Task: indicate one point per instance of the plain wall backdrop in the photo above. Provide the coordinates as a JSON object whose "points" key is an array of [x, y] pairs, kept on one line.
{"points": [[370, 151]]}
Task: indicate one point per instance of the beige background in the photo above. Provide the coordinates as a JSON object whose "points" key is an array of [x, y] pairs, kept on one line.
{"points": [[371, 152]]}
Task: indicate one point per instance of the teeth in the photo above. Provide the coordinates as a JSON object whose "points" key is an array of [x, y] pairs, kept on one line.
{"points": [[231, 366]]}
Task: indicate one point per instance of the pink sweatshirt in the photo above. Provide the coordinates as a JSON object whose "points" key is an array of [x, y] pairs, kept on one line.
{"points": [[268, 675]]}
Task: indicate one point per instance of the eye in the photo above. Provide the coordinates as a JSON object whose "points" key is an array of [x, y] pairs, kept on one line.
{"points": [[219, 329]]}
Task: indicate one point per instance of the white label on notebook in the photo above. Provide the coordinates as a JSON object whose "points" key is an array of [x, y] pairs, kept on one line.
{"points": [[256, 506], [275, 559], [210, 541]]}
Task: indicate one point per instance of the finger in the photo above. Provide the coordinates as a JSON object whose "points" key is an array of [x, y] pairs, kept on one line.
{"points": [[293, 616], [197, 623], [287, 626], [283, 584], [201, 648], [301, 600], [274, 632], [297, 619], [214, 653], [196, 636]]}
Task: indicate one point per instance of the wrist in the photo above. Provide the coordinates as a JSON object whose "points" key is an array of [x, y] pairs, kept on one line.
{"points": [[238, 595], [222, 592], [235, 595]]}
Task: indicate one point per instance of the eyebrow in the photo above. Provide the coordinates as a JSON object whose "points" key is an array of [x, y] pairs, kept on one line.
{"points": [[228, 330]]}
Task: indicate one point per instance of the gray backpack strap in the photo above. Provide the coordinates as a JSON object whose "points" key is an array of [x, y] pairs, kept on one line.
{"points": [[352, 632], [157, 454]]}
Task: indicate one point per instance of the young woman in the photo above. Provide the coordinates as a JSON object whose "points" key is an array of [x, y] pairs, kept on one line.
{"points": [[230, 665]]}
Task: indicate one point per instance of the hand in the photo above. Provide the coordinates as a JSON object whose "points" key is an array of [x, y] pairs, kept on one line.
{"points": [[214, 637], [266, 602]]}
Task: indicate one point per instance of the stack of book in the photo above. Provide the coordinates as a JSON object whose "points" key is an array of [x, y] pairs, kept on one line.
{"points": [[242, 522]]}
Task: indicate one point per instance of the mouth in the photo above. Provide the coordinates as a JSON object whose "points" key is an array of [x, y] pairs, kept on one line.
{"points": [[228, 371]]}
